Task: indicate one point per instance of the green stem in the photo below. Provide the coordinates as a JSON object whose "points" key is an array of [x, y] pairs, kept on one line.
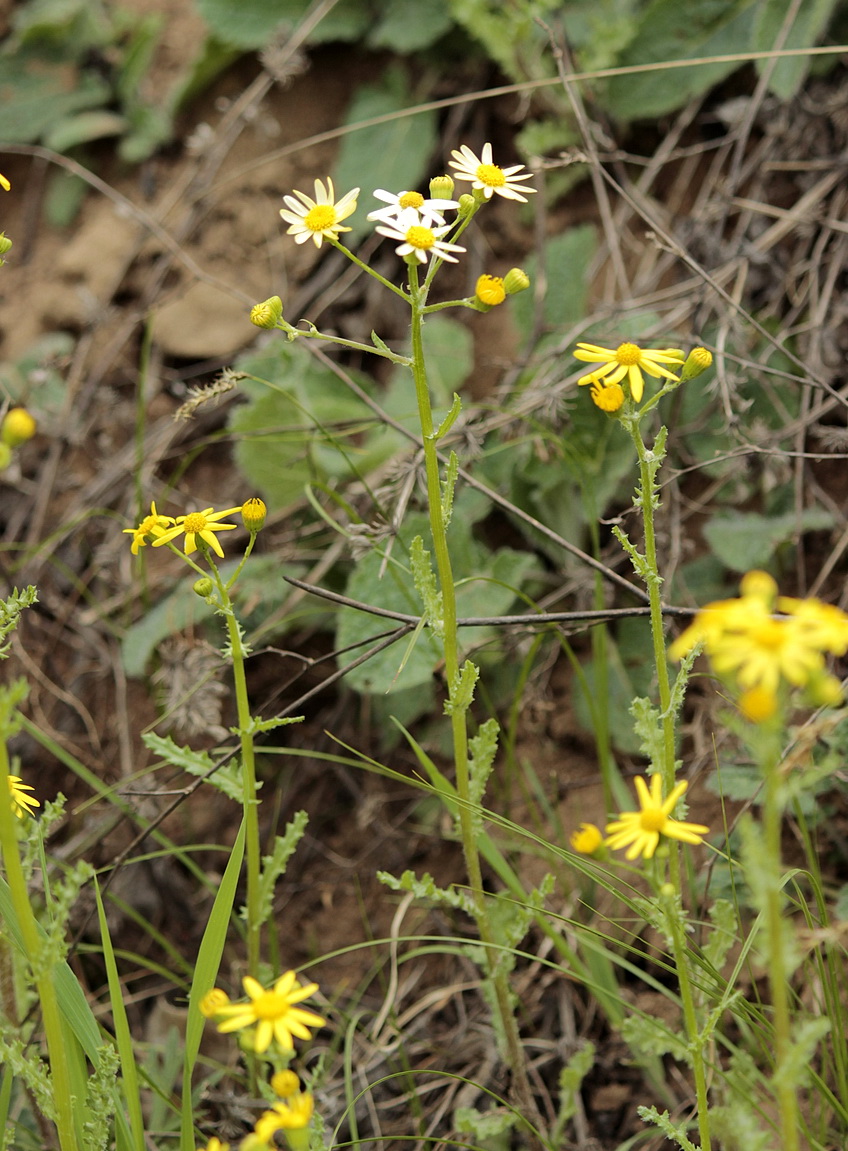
{"points": [[648, 501], [365, 268], [459, 729], [36, 949], [778, 976], [248, 762], [690, 1014]]}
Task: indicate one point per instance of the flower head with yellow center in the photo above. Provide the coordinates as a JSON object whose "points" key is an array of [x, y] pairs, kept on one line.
{"points": [[419, 240], [22, 804], [628, 360], [759, 651], [430, 211], [292, 1115], [273, 1013], [318, 219], [586, 839], [487, 177], [640, 831], [608, 397], [151, 527], [199, 525]]}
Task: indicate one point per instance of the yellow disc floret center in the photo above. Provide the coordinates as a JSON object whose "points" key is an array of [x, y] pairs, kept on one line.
{"points": [[652, 820], [770, 634], [418, 237], [491, 175], [194, 522], [628, 354], [270, 1006], [411, 200], [320, 217]]}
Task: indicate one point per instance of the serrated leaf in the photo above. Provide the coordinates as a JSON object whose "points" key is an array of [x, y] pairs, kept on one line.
{"points": [[648, 1035], [426, 887]]}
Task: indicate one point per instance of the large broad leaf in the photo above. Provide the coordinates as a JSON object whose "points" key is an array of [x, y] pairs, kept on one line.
{"points": [[786, 76], [38, 95], [745, 540], [567, 258], [252, 23], [393, 155], [670, 32], [409, 25]]}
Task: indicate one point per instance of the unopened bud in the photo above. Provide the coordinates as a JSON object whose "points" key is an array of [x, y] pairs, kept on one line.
{"points": [[441, 188], [253, 513], [698, 360], [285, 1083], [5, 244], [467, 204], [203, 587], [516, 281], [267, 314], [18, 426]]}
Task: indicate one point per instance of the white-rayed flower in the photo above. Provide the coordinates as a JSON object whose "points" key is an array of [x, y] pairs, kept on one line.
{"points": [[430, 212], [318, 219], [487, 177], [418, 240]]}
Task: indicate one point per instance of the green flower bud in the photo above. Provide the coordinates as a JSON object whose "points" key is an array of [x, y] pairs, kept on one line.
{"points": [[5, 244], [698, 360], [203, 587], [267, 314], [467, 204], [441, 188], [516, 281]]}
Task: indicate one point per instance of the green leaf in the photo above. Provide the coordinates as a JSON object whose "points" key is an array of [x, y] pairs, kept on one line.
{"points": [[785, 77], [39, 95], [408, 25], [393, 155], [671, 31], [746, 540], [274, 865], [205, 976], [83, 127], [567, 259], [250, 23], [227, 778]]}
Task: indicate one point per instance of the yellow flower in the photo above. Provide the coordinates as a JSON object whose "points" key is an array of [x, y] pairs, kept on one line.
{"points": [[293, 1115], [490, 290], [4, 183], [608, 397], [318, 219], [642, 829], [273, 1012], [268, 313], [18, 426], [151, 526], [215, 1144], [212, 1002], [628, 360], [487, 177], [22, 804], [698, 360], [758, 651], [586, 839], [203, 524], [253, 514]]}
